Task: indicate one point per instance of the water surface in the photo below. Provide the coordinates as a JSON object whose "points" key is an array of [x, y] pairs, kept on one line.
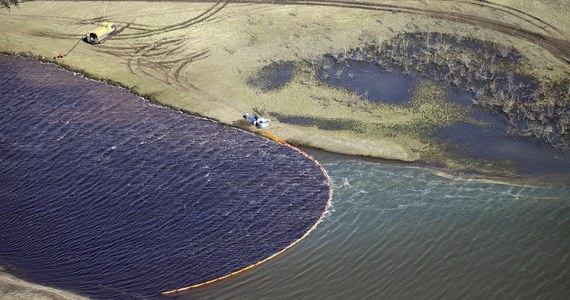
{"points": [[397, 232], [394, 232], [369, 80], [486, 140], [111, 197]]}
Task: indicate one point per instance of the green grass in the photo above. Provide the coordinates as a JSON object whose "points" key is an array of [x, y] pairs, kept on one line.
{"points": [[239, 39]]}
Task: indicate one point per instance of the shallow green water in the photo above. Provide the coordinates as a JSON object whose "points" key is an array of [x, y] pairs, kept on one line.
{"points": [[397, 232]]}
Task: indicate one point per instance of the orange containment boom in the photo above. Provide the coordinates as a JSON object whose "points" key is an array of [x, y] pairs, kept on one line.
{"points": [[271, 136], [328, 205]]}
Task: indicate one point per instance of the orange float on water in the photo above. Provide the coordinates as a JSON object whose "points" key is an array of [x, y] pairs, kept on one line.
{"points": [[271, 136], [276, 139]]}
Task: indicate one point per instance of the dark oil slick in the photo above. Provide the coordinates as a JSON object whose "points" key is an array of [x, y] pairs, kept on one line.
{"points": [[106, 195]]}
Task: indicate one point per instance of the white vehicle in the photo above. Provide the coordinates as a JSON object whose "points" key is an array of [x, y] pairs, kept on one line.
{"points": [[255, 120]]}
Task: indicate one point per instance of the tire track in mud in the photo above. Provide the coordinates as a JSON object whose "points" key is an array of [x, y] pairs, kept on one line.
{"points": [[205, 15], [557, 46], [533, 20], [146, 56], [167, 58], [517, 13], [157, 57], [163, 60]]}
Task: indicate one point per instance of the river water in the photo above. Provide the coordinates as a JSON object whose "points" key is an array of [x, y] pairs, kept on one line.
{"points": [[398, 232], [393, 232], [112, 197]]}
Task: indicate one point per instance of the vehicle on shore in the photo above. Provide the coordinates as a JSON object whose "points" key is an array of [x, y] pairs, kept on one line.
{"points": [[257, 121], [100, 33]]}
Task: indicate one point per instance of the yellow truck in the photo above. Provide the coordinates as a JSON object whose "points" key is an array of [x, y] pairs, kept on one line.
{"points": [[100, 33]]}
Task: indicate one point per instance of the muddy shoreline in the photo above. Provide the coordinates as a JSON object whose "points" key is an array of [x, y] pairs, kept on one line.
{"points": [[11, 287], [437, 166], [155, 62], [171, 64]]}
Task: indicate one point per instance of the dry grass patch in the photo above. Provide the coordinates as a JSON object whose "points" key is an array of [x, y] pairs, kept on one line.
{"points": [[198, 57]]}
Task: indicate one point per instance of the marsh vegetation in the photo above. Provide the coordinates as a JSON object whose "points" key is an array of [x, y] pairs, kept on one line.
{"points": [[434, 65], [445, 79], [491, 73]]}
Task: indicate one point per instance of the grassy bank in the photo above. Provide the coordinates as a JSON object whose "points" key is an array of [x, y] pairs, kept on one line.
{"points": [[198, 57]]}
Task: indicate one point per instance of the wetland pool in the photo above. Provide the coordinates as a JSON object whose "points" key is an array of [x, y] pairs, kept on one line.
{"points": [[393, 231], [486, 139]]}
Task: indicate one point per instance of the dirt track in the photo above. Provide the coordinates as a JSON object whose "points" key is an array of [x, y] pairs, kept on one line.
{"points": [[149, 52], [166, 58], [543, 34], [197, 55]]}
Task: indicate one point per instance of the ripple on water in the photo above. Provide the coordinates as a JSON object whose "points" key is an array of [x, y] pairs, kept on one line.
{"points": [[111, 197], [468, 240]]}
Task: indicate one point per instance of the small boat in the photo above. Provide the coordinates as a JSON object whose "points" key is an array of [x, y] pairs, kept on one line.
{"points": [[100, 33], [257, 121]]}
